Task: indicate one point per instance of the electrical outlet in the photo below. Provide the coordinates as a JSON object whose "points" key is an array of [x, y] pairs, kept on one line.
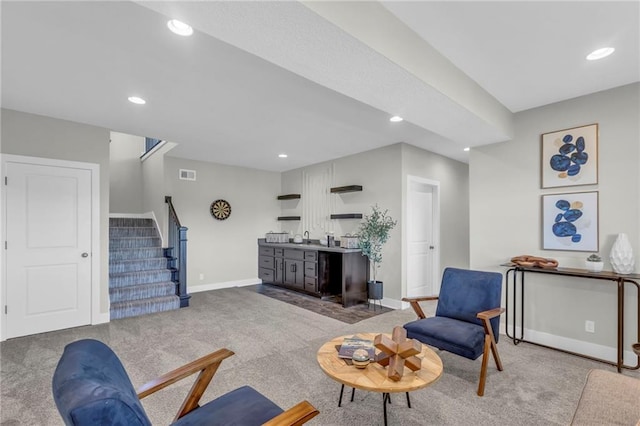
{"points": [[201, 277], [590, 326]]}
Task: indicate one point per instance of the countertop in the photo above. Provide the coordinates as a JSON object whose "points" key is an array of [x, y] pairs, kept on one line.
{"points": [[305, 246]]}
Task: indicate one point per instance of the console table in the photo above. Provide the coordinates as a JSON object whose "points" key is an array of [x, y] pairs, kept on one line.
{"points": [[620, 280]]}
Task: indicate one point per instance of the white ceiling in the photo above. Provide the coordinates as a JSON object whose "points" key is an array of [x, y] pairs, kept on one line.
{"points": [[532, 53], [316, 80]]}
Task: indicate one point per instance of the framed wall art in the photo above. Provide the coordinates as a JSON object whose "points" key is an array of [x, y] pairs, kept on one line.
{"points": [[570, 157], [570, 221]]}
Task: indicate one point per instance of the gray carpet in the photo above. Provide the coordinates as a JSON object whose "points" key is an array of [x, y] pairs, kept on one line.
{"points": [[275, 345], [328, 308]]}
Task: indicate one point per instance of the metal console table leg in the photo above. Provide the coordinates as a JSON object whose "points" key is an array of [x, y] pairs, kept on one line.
{"points": [[511, 278]]}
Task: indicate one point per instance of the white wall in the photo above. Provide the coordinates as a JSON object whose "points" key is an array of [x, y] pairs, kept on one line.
{"points": [[225, 252], [506, 214], [154, 189], [125, 174], [39, 136]]}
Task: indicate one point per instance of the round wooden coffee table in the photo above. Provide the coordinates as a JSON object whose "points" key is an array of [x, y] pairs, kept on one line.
{"points": [[374, 377]]}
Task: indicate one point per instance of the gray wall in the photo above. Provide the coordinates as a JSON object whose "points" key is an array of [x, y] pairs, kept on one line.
{"points": [[506, 215], [382, 173], [379, 173], [125, 174], [39, 136], [225, 252], [453, 177]]}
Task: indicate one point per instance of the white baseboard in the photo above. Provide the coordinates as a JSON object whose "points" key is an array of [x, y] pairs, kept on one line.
{"points": [[228, 284], [594, 350], [393, 303]]}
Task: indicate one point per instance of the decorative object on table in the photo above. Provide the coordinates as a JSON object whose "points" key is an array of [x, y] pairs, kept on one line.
{"points": [[349, 241], [570, 221], [529, 261], [594, 263], [220, 209], [360, 358], [331, 241], [570, 157], [276, 237], [398, 352], [373, 234], [621, 256], [351, 344]]}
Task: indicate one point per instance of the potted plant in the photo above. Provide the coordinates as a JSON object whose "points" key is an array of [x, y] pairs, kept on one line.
{"points": [[373, 234], [594, 263]]}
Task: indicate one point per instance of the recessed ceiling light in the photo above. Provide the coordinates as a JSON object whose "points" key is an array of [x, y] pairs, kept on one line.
{"points": [[466, 149], [180, 28], [282, 155], [137, 100], [600, 53], [396, 119]]}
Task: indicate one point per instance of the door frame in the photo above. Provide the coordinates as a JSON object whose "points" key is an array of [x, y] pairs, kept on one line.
{"points": [[435, 186], [94, 169]]}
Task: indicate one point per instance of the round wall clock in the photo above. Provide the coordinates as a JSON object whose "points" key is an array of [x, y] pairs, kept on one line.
{"points": [[220, 209]]}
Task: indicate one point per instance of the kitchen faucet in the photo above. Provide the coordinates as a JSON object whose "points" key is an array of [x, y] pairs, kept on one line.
{"points": [[306, 233]]}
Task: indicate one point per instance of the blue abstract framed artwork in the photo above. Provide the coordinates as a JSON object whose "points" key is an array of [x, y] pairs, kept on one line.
{"points": [[570, 157], [570, 221]]}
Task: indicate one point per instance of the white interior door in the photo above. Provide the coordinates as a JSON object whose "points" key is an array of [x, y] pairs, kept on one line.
{"points": [[48, 228], [421, 239]]}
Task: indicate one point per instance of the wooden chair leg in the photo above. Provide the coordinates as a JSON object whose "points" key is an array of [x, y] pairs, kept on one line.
{"points": [[496, 355], [485, 361]]}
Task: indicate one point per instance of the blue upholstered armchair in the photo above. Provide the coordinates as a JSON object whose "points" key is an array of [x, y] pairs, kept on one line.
{"points": [[91, 387], [467, 319]]}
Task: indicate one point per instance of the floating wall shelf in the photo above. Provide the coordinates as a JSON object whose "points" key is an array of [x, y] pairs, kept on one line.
{"points": [[348, 188], [289, 197], [347, 216], [289, 218]]}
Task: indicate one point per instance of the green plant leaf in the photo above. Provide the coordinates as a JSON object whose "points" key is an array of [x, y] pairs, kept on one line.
{"points": [[373, 234]]}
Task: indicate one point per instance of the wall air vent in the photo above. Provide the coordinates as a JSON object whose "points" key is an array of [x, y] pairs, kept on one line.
{"points": [[187, 174]]}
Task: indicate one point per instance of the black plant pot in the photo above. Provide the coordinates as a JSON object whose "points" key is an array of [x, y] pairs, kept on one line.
{"points": [[374, 290]]}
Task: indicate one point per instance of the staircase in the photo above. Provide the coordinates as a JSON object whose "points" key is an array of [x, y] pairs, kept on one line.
{"points": [[139, 279]]}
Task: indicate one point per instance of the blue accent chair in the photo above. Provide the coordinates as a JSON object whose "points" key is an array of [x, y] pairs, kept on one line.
{"points": [[91, 387], [467, 319]]}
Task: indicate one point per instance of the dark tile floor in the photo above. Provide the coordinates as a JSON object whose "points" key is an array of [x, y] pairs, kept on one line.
{"points": [[329, 308]]}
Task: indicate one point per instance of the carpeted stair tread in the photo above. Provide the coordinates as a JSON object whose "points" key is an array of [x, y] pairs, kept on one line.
{"points": [[142, 291], [122, 232], [126, 279], [134, 242], [144, 306], [130, 221], [133, 265], [120, 254]]}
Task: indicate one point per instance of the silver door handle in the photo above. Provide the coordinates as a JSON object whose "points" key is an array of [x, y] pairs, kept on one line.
{"points": [[85, 254]]}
